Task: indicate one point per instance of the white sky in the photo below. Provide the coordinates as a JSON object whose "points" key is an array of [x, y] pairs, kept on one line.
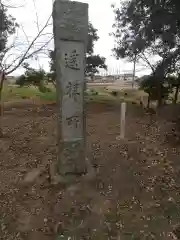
{"points": [[101, 16]]}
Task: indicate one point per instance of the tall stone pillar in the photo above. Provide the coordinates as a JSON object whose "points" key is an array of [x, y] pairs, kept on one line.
{"points": [[70, 24]]}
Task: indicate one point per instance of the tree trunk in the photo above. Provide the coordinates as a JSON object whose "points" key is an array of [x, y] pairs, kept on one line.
{"points": [[148, 103], [176, 94], [2, 77], [160, 95]]}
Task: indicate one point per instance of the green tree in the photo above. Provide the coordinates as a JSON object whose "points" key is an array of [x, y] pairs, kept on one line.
{"points": [[151, 27], [8, 27], [52, 75], [151, 87], [93, 62], [35, 77], [174, 82], [142, 24], [21, 80]]}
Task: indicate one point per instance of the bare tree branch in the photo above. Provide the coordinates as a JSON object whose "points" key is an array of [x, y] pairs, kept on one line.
{"points": [[41, 48], [37, 24], [27, 39], [144, 58], [25, 55], [37, 18], [11, 6]]}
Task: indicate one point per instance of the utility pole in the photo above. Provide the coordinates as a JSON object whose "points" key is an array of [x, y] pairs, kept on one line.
{"points": [[132, 41], [134, 70]]}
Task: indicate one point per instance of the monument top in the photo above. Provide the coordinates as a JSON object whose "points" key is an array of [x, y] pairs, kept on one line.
{"points": [[70, 20]]}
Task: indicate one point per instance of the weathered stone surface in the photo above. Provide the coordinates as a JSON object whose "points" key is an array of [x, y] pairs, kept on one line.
{"points": [[72, 158], [70, 36], [70, 21], [72, 89], [32, 176], [24, 221]]}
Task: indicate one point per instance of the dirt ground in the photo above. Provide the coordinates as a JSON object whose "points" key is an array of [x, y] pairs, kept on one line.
{"points": [[135, 194]]}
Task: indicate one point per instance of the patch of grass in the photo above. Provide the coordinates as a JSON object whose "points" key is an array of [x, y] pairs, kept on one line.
{"points": [[13, 93], [130, 95], [93, 92], [114, 96], [48, 96], [98, 94], [101, 98]]}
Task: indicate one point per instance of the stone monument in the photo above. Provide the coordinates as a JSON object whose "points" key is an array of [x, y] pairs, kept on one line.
{"points": [[70, 26]]}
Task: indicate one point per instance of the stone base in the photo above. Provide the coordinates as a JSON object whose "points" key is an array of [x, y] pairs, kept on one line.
{"points": [[127, 140], [67, 179], [72, 159], [120, 138]]}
